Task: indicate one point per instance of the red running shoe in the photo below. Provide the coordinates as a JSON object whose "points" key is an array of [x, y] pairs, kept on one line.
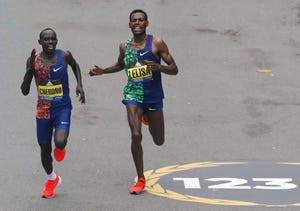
{"points": [[59, 154], [138, 187], [50, 185], [144, 121]]}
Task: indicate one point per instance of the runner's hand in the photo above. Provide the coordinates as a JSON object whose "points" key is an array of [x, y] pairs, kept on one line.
{"points": [[152, 65], [96, 71], [32, 58], [30, 62], [80, 93]]}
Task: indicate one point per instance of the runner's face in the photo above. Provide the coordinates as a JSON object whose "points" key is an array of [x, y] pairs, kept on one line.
{"points": [[48, 41], [138, 24]]}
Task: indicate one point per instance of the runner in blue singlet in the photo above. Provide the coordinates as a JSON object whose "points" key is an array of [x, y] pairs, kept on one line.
{"points": [[140, 56], [49, 68]]}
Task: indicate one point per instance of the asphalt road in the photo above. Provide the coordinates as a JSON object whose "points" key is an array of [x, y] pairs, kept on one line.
{"points": [[218, 108]]}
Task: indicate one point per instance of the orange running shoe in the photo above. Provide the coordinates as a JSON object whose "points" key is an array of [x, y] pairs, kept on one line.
{"points": [[59, 154], [50, 185], [144, 121], [138, 187]]}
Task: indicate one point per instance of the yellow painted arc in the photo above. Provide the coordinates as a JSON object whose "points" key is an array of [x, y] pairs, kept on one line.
{"points": [[264, 70]]}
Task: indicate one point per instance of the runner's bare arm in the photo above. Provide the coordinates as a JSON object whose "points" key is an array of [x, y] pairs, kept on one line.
{"points": [[163, 52], [77, 72], [25, 87], [118, 66]]}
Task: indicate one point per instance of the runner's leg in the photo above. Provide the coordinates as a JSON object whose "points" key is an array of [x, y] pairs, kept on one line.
{"points": [[46, 157], [62, 126], [134, 114], [61, 138], [157, 127], [44, 129]]}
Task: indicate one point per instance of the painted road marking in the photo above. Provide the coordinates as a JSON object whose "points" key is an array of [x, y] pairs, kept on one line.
{"points": [[253, 183]]}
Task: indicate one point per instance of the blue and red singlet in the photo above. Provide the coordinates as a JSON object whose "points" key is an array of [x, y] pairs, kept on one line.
{"points": [[52, 86]]}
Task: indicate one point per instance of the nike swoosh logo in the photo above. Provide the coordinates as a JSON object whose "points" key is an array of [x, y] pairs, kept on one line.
{"points": [[142, 54], [55, 70]]}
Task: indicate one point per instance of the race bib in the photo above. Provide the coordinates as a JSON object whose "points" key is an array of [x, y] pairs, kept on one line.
{"points": [[139, 73], [50, 91]]}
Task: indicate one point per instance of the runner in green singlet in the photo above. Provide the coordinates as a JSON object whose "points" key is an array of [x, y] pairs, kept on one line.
{"points": [[140, 56]]}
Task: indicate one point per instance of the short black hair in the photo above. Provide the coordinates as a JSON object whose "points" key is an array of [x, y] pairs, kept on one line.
{"points": [[138, 11], [46, 29]]}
